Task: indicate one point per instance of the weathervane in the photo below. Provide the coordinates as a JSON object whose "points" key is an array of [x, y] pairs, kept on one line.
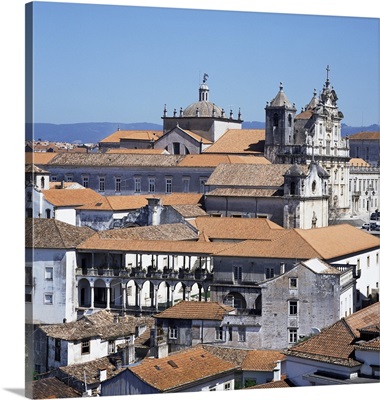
{"points": [[205, 76]]}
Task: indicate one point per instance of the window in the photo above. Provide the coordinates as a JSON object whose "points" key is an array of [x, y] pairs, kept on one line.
{"points": [[269, 273], [219, 333], [186, 185], [202, 183], [237, 273], [196, 332], [53, 178], [293, 307], [292, 335], [173, 332], [293, 283], [168, 185], [241, 333], [137, 185], [230, 333], [49, 273], [57, 350], [152, 185], [227, 386], [176, 148], [69, 178], [368, 261], [117, 184], [275, 119], [85, 347], [111, 347], [101, 184], [85, 181], [28, 295], [48, 298]]}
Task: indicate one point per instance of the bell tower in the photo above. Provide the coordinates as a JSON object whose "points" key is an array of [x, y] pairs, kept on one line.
{"points": [[279, 127]]}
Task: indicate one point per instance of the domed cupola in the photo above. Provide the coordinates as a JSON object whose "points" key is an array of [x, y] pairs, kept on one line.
{"points": [[203, 107]]}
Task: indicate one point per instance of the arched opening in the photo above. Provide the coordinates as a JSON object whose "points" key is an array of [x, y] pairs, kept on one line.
{"points": [[235, 300], [84, 293], [116, 294], [275, 120], [100, 294], [292, 188]]}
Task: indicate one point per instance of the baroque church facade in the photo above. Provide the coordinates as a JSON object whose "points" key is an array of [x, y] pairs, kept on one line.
{"points": [[312, 135]]}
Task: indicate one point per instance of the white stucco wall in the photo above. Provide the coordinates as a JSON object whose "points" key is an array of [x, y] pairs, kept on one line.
{"points": [[60, 286]]}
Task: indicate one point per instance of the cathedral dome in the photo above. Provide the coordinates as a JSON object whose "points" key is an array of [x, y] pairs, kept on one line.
{"points": [[203, 109]]}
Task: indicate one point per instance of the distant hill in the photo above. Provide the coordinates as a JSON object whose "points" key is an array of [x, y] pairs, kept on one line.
{"points": [[93, 132], [86, 132]]}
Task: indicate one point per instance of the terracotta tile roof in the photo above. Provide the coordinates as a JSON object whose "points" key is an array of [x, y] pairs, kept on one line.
{"points": [[336, 343], [239, 141], [54, 234], [65, 185], [324, 243], [197, 310], [100, 324], [52, 388], [250, 175], [365, 136], [180, 369], [71, 197], [366, 317], [189, 210], [287, 245], [197, 137], [238, 228], [371, 345], [134, 202], [248, 360], [283, 383], [117, 136], [116, 159], [171, 232], [33, 168], [358, 162], [136, 151], [38, 158], [338, 240], [152, 246], [304, 115], [238, 192], [261, 360], [101, 204], [89, 371], [212, 160]]}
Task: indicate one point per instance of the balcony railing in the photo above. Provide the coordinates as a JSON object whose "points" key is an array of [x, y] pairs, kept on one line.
{"points": [[150, 272]]}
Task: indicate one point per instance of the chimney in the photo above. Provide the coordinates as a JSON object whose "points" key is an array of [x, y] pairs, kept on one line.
{"points": [[282, 268], [154, 209], [115, 319], [277, 371], [102, 375]]}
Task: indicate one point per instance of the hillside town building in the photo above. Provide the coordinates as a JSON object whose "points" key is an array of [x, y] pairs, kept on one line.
{"points": [[241, 243]]}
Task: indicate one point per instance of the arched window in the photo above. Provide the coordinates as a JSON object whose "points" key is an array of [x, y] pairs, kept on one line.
{"points": [[292, 188], [275, 119], [42, 183], [290, 120]]}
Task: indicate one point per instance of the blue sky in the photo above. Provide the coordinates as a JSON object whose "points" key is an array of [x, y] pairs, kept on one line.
{"points": [[120, 63]]}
